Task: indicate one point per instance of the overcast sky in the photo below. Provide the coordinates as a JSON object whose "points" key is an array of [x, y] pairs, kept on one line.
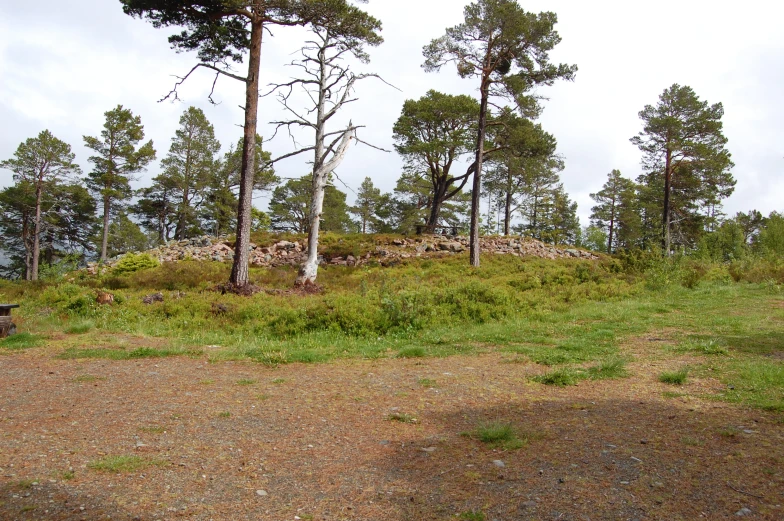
{"points": [[63, 64]]}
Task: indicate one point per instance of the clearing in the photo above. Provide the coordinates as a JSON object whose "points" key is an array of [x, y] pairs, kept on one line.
{"points": [[385, 439]]}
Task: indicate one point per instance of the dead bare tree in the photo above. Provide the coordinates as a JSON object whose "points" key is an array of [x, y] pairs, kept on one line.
{"points": [[329, 84]]}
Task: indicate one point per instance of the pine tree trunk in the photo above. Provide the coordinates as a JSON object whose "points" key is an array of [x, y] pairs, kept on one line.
{"points": [[239, 270], [666, 213], [477, 187], [612, 226], [508, 203], [37, 235], [105, 239]]}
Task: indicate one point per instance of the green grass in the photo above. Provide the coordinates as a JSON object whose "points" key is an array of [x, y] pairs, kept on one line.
{"points": [[402, 418], [427, 383], [246, 381], [119, 464], [499, 434], [412, 352], [703, 347], [21, 341], [224, 414], [86, 378], [80, 328], [562, 377], [759, 383], [609, 369], [570, 315], [678, 377], [120, 354], [473, 515]]}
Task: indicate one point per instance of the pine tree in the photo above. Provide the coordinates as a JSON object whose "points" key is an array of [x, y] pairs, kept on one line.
{"points": [[115, 161], [683, 149], [40, 163], [222, 31], [367, 205], [606, 214], [187, 169], [508, 49]]}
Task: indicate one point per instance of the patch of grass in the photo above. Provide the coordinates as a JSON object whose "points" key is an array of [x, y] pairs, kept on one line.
{"points": [[759, 383], [427, 382], [224, 414], [84, 378], [206, 382], [692, 442], [560, 377], [121, 354], [119, 464], [498, 434], [609, 369], [703, 347], [728, 432], [670, 394], [80, 328], [153, 429], [674, 377], [67, 475], [246, 381], [473, 515], [412, 352], [27, 508], [402, 418], [26, 483], [278, 381], [21, 341], [307, 356]]}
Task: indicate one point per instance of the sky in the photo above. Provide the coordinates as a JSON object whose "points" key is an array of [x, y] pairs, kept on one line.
{"points": [[64, 64]]}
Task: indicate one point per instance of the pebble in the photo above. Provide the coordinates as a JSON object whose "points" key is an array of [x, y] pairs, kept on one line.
{"points": [[261, 493], [429, 449], [743, 512], [498, 463]]}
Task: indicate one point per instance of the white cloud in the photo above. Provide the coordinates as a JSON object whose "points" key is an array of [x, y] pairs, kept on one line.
{"points": [[62, 70]]}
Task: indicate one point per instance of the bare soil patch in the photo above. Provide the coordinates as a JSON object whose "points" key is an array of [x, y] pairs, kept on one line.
{"points": [[237, 441]]}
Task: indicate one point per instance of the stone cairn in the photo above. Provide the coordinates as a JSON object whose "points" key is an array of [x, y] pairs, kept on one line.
{"points": [[287, 253]]}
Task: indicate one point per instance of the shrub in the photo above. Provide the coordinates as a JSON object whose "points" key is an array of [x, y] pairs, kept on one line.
{"points": [[133, 262]]}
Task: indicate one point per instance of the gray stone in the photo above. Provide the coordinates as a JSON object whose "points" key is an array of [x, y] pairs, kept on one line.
{"points": [[498, 463], [743, 512]]}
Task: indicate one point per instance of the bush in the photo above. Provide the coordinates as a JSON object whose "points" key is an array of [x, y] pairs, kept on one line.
{"points": [[133, 262]]}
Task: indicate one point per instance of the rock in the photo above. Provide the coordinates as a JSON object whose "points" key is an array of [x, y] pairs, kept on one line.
{"points": [[456, 247], [398, 242], [155, 297], [743, 512], [261, 493], [498, 463]]}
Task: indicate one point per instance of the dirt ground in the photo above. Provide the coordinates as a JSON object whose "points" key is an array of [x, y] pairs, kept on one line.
{"points": [[238, 441]]}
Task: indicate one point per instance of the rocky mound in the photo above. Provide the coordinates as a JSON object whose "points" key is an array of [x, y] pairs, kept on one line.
{"points": [[288, 253]]}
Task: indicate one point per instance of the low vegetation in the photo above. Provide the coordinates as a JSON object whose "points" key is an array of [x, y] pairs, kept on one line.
{"points": [[571, 316]]}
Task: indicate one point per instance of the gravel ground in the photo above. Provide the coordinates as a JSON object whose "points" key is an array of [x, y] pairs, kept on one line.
{"points": [[237, 441]]}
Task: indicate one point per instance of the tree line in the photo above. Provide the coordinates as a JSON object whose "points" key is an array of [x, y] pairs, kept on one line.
{"points": [[511, 184]]}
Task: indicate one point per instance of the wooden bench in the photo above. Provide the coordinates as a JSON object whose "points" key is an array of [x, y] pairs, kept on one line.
{"points": [[7, 327]]}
